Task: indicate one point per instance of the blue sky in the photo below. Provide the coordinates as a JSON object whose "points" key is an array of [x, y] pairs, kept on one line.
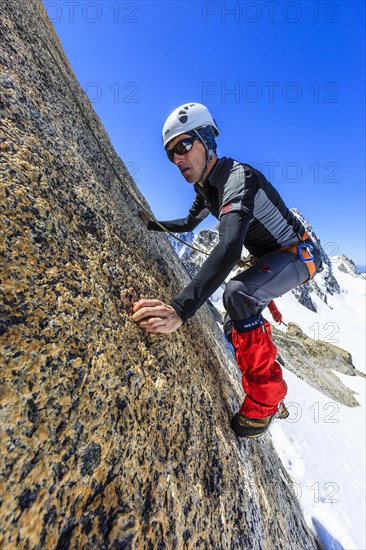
{"points": [[284, 81]]}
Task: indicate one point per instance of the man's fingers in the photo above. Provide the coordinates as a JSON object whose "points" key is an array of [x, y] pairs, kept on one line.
{"points": [[146, 303], [152, 323], [156, 316], [155, 326], [149, 312]]}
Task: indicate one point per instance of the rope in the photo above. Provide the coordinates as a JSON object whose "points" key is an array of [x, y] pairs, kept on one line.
{"points": [[242, 263], [103, 152], [175, 236]]}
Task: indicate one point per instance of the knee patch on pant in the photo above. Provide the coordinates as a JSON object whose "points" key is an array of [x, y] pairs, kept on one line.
{"points": [[238, 304]]}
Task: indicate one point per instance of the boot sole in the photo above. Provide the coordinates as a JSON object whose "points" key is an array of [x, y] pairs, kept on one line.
{"points": [[283, 413], [239, 430], [254, 436]]}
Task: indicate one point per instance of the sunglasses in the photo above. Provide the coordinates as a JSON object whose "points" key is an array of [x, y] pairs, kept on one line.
{"points": [[181, 148]]}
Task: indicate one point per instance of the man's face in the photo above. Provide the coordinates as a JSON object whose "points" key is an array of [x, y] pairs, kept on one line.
{"points": [[190, 164]]}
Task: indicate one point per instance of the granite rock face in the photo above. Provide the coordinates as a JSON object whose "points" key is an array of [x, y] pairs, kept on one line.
{"points": [[110, 438]]}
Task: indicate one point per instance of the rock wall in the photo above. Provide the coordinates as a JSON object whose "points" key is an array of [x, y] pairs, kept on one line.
{"points": [[111, 438]]}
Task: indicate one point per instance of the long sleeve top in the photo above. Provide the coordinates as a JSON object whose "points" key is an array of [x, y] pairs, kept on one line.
{"points": [[251, 214]]}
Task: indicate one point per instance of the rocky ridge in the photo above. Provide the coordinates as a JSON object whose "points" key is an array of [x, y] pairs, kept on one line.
{"points": [[111, 438], [347, 266], [314, 362], [181, 249]]}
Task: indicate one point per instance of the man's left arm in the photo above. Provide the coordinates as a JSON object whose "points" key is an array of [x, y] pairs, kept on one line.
{"points": [[217, 267], [159, 317]]}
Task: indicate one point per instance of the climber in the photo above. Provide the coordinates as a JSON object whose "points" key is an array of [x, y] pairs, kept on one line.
{"points": [[251, 214]]}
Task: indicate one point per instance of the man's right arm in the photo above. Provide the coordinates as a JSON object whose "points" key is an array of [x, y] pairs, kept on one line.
{"points": [[197, 213]]}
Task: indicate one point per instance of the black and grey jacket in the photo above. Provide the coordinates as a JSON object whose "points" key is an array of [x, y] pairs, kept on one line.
{"points": [[251, 214]]}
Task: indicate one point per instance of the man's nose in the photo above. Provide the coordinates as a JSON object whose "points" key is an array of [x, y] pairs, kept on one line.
{"points": [[177, 159]]}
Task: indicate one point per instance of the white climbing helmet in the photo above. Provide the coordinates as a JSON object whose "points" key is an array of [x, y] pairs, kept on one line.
{"points": [[185, 118]]}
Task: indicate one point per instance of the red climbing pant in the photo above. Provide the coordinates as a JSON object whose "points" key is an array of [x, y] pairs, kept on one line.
{"points": [[262, 378]]}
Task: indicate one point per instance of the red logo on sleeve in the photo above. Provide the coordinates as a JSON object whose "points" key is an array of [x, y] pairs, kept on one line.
{"points": [[227, 208]]}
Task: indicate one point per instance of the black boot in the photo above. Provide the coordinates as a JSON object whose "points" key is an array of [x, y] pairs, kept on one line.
{"points": [[255, 427]]}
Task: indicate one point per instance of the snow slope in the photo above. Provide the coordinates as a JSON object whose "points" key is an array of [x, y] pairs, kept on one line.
{"points": [[322, 444]]}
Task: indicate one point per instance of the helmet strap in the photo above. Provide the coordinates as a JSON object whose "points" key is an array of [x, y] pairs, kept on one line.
{"points": [[200, 179], [209, 157]]}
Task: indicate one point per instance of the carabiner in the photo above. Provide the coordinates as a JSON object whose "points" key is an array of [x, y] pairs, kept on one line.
{"points": [[308, 247]]}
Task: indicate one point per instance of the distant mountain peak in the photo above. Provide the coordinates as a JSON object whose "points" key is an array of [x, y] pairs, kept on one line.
{"points": [[180, 248], [346, 265]]}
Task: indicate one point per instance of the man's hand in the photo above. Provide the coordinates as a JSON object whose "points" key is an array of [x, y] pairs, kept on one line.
{"points": [[155, 316]]}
